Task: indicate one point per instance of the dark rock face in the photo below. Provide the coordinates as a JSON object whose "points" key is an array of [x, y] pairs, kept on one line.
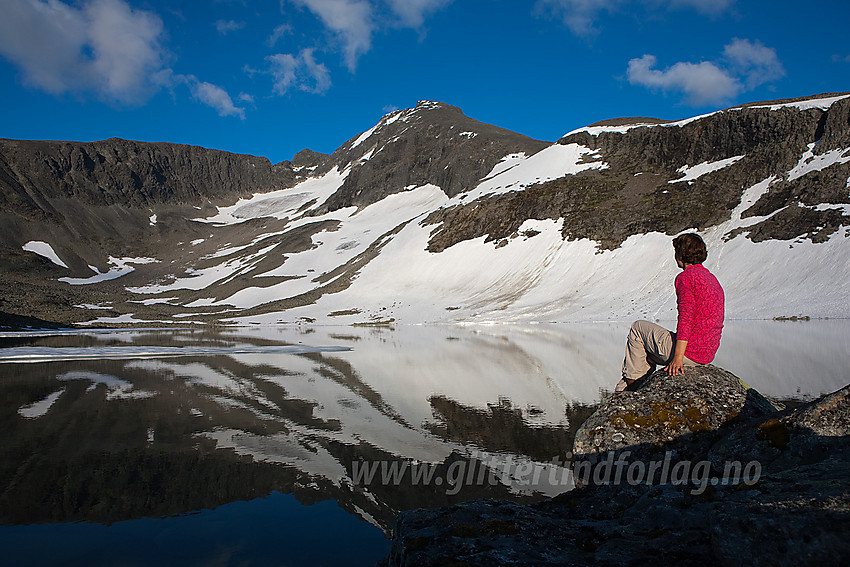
{"points": [[307, 158], [633, 194], [100, 195], [762, 487], [134, 174]]}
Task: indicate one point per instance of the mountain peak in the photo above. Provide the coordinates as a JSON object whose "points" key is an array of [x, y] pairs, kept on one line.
{"points": [[431, 144], [432, 105]]}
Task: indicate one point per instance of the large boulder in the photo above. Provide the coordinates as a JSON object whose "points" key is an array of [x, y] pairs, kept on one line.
{"points": [[684, 414]]}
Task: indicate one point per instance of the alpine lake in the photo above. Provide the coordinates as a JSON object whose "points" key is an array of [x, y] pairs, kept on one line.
{"points": [[299, 445]]}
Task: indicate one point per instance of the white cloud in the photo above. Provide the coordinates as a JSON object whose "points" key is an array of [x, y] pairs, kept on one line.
{"points": [[211, 95], [277, 34], [755, 62], [411, 13], [351, 21], [217, 98], [125, 45], [224, 27], [711, 7], [581, 16], [703, 83], [578, 15], [284, 67], [746, 65], [317, 71], [103, 46], [301, 72]]}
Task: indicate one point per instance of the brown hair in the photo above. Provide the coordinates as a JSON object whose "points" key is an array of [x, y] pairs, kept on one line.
{"points": [[690, 248]]}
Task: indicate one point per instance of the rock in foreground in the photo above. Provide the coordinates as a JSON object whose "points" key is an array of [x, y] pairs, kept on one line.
{"points": [[789, 505], [682, 414]]}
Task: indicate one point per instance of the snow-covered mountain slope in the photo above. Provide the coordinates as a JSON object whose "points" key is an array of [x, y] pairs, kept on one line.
{"points": [[433, 217]]}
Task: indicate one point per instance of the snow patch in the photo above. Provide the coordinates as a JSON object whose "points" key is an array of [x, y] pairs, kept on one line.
{"points": [[516, 171], [154, 300], [283, 203], [596, 130], [811, 162], [505, 164], [355, 233], [91, 306], [205, 302], [226, 251], [201, 279], [703, 168], [126, 319], [749, 198], [622, 129], [120, 267], [830, 207], [392, 117], [820, 103], [367, 156], [44, 249], [364, 136], [686, 121], [427, 105]]}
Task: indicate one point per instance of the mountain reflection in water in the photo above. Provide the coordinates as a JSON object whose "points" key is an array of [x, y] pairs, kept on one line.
{"points": [[113, 435]]}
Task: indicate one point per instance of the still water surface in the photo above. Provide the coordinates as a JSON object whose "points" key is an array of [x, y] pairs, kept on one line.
{"points": [[248, 446]]}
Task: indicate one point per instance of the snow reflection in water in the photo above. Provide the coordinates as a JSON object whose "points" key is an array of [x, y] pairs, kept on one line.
{"points": [[109, 426]]}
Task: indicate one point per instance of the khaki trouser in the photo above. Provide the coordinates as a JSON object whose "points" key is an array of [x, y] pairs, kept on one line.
{"points": [[649, 344]]}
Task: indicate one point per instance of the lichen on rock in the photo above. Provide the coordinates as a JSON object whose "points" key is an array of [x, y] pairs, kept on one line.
{"points": [[669, 411]]}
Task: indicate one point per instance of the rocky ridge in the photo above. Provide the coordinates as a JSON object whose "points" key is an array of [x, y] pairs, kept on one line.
{"points": [[97, 199], [638, 192]]}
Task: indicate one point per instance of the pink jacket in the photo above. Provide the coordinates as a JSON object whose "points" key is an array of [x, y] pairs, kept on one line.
{"points": [[700, 299]]}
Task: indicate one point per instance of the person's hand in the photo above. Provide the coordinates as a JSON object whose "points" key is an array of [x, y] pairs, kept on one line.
{"points": [[676, 367]]}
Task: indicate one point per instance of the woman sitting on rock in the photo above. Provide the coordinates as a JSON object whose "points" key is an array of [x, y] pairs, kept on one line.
{"points": [[699, 299]]}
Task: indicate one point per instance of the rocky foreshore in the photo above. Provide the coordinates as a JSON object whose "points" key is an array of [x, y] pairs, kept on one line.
{"points": [[690, 470]]}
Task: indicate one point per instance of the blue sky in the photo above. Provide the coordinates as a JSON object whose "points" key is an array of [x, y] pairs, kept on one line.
{"points": [[271, 77]]}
